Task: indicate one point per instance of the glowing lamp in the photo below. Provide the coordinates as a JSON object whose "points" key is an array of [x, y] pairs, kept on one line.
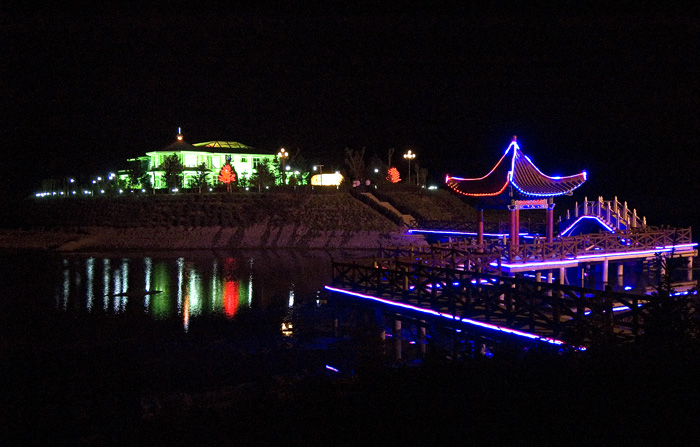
{"points": [[327, 179]]}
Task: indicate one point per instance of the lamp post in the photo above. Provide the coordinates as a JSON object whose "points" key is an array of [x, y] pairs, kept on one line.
{"points": [[320, 168], [409, 156], [283, 154]]}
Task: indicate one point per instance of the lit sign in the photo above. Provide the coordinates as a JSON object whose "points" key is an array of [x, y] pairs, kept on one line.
{"points": [[536, 204], [326, 179]]}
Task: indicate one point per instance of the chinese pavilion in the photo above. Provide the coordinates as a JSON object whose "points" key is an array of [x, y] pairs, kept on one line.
{"points": [[517, 183]]}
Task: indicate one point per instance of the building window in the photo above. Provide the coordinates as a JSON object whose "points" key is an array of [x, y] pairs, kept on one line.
{"points": [[256, 162], [244, 160]]}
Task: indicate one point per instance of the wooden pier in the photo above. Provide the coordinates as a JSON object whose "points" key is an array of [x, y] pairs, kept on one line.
{"points": [[465, 281]]}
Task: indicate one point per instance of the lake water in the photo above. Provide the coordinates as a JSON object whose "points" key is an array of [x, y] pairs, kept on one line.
{"points": [[177, 289]]}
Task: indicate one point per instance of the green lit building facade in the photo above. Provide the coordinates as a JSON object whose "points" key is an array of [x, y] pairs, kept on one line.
{"points": [[213, 154]]}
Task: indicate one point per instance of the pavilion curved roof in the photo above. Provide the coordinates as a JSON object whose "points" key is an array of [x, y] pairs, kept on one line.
{"points": [[521, 173]]}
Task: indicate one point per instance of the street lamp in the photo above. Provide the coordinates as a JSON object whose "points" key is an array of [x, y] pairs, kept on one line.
{"points": [[320, 168], [283, 154], [409, 156]]}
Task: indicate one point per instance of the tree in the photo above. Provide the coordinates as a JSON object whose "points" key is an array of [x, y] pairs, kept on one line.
{"points": [[138, 176], [243, 181], [173, 168], [263, 176], [393, 175], [201, 178], [356, 162], [227, 175]]}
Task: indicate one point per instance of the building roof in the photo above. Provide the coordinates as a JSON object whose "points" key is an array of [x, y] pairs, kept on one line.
{"points": [[519, 172]]}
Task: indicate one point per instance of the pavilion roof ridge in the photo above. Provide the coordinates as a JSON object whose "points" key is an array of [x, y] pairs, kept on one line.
{"points": [[521, 173]]}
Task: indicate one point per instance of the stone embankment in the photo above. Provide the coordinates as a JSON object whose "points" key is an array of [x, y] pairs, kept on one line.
{"points": [[305, 221], [200, 238]]}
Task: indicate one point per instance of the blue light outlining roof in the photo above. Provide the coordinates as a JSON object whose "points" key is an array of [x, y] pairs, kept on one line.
{"points": [[468, 321], [523, 175]]}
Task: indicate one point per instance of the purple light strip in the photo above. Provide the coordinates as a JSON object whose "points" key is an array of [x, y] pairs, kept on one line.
{"points": [[469, 321], [563, 233], [332, 369], [499, 235]]}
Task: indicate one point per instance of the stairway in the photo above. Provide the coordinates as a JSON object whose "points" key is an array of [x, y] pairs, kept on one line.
{"points": [[614, 214], [407, 219]]}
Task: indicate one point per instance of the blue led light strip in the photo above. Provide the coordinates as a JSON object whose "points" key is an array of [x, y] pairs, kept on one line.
{"points": [[468, 321], [607, 227]]}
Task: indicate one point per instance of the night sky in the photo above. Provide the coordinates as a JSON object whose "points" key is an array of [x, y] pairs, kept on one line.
{"points": [[615, 94]]}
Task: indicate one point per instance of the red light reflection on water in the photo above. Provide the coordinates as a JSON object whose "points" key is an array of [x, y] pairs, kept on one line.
{"points": [[231, 287]]}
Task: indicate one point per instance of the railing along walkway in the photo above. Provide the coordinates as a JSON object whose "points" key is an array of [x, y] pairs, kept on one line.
{"points": [[572, 247], [545, 309]]}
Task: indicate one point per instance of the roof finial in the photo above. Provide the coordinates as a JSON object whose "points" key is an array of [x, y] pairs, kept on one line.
{"points": [[179, 134], [515, 138]]}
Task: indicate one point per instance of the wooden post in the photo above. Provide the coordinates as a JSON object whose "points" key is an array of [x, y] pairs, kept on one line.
{"points": [[517, 227], [550, 221], [480, 227], [690, 268], [397, 338], [562, 275], [605, 272]]}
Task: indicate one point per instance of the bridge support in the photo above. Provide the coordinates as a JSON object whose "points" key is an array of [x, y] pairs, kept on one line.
{"points": [[690, 268], [397, 338], [605, 271], [562, 275]]}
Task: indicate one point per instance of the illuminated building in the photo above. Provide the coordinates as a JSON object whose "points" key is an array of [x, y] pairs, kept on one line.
{"points": [[213, 154]]}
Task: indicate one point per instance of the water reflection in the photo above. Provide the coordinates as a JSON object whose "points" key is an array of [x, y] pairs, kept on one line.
{"points": [[185, 288]]}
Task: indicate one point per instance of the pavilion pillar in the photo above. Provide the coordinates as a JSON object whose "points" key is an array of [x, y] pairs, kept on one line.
{"points": [[550, 221], [480, 227], [512, 243], [562, 275], [514, 220]]}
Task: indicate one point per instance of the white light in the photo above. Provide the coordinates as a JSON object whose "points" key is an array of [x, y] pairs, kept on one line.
{"points": [[376, 171], [287, 168]]}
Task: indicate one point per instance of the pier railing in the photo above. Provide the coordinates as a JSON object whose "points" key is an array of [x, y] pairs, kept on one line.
{"points": [[598, 244], [549, 310]]}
